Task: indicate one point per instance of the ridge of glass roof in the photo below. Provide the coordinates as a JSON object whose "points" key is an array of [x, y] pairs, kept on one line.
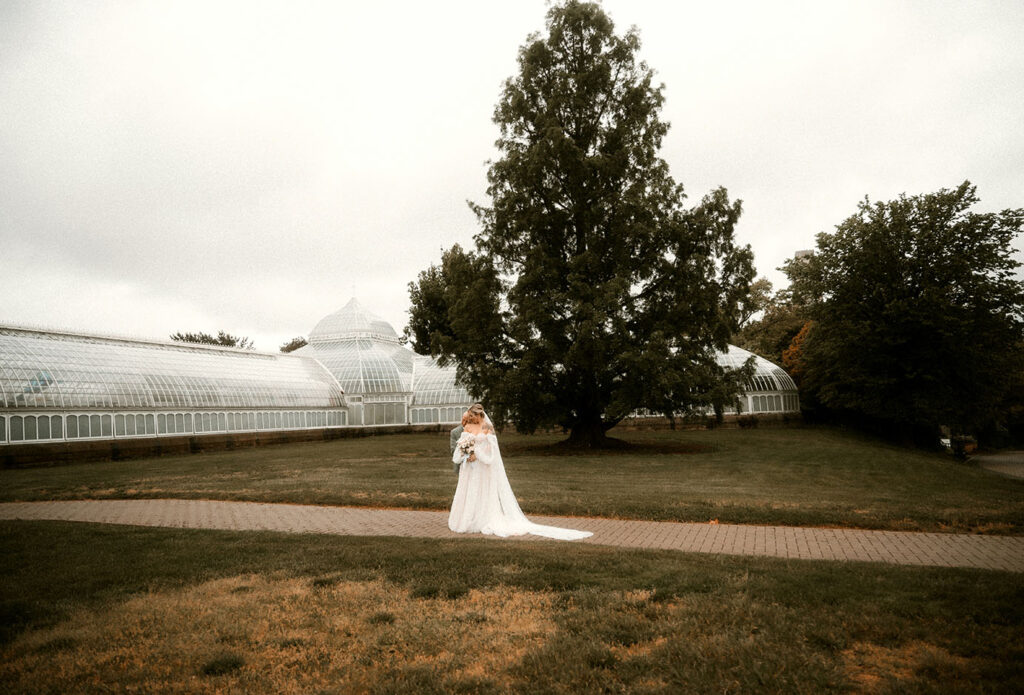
{"points": [[131, 339]]}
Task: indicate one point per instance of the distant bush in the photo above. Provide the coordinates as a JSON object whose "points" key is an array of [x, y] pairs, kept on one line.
{"points": [[747, 421]]}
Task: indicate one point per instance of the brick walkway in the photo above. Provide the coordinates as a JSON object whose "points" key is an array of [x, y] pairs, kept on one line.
{"points": [[893, 547]]}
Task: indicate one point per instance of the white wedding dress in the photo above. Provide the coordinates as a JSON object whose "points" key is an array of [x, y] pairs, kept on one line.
{"points": [[484, 502]]}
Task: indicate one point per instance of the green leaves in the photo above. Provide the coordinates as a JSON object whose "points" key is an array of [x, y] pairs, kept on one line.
{"points": [[225, 339], [596, 292], [917, 309]]}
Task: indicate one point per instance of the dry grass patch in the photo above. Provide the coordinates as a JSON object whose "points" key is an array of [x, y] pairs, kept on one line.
{"points": [[282, 635], [877, 669]]}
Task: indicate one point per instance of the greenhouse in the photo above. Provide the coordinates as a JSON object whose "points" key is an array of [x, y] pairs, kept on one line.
{"points": [[68, 386], [65, 386]]}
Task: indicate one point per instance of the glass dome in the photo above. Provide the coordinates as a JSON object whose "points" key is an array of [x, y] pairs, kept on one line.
{"points": [[384, 381], [350, 322], [362, 351], [363, 366]]}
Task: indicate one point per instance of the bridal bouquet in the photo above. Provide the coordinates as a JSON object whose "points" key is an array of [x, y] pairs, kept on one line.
{"points": [[465, 446]]}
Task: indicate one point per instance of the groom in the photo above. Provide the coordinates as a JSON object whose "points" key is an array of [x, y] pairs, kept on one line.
{"points": [[477, 409]]}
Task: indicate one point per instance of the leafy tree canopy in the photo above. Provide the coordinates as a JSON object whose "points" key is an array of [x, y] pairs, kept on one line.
{"points": [[770, 335], [222, 338], [592, 291], [917, 313], [294, 344], [758, 300]]}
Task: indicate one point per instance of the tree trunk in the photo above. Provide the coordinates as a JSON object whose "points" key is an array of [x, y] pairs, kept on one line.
{"points": [[590, 435]]}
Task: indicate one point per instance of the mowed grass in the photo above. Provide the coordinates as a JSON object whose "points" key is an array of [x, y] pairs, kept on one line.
{"points": [[93, 608], [799, 476]]}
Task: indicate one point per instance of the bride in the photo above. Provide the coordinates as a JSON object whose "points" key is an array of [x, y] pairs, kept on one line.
{"points": [[484, 502]]}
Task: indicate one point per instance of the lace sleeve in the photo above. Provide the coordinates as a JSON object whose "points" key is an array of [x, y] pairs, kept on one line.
{"points": [[486, 448]]}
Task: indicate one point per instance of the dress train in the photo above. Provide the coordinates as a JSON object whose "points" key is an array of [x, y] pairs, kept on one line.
{"points": [[484, 501]]}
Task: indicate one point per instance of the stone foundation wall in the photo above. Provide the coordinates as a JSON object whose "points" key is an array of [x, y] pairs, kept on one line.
{"points": [[80, 451]]}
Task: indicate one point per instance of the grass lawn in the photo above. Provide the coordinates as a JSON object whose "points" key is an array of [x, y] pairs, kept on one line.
{"points": [[804, 476], [93, 608]]}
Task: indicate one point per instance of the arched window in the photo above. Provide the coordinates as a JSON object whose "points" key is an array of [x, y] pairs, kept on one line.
{"points": [[17, 428]]}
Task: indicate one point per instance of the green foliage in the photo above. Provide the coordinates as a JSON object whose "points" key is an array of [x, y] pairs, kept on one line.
{"points": [[917, 310], [759, 299], [294, 344], [793, 356], [772, 334], [456, 311], [592, 291], [225, 339]]}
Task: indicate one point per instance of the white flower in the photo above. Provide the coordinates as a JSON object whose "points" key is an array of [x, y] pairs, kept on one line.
{"points": [[465, 445]]}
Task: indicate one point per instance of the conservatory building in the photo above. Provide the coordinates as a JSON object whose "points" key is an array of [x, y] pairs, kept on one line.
{"points": [[63, 386]]}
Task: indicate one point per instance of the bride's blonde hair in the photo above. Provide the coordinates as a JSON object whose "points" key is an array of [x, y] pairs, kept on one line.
{"points": [[470, 417]]}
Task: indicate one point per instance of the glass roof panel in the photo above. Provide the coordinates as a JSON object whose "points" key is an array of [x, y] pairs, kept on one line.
{"points": [[435, 385], [44, 369], [767, 376], [365, 366]]}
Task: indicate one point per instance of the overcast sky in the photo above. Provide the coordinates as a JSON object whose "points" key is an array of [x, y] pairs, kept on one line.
{"points": [[248, 166]]}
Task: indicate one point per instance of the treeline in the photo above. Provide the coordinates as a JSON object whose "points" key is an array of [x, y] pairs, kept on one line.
{"points": [[906, 320], [227, 340]]}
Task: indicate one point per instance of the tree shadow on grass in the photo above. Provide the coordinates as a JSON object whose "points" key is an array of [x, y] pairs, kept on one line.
{"points": [[615, 447]]}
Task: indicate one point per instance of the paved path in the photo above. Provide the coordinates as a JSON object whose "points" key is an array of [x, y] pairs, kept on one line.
{"points": [[893, 547], [1009, 463]]}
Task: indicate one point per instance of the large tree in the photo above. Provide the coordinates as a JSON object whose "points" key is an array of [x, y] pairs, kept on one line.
{"points": [[917, 314], [592, 291]]}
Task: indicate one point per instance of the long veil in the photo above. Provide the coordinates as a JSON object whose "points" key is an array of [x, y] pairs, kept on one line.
{"points": [[512, 518]]}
